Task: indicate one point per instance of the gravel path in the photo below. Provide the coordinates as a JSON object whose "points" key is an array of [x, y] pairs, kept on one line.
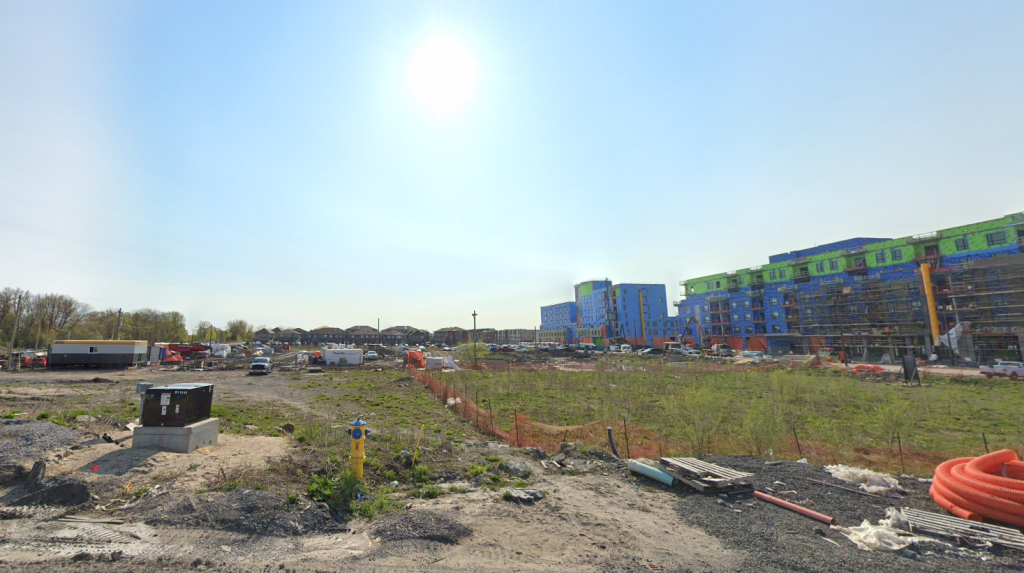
{"points": [[780, 540], [25, 440]]}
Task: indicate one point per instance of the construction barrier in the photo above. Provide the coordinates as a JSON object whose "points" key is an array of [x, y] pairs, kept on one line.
{"points": [[632, 441]]}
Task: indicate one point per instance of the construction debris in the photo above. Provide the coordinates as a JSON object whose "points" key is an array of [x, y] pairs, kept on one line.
{"points": [[915, 520], [703, 476]]}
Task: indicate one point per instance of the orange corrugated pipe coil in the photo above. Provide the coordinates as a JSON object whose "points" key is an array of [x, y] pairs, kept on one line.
{"points": [[989, 487]]}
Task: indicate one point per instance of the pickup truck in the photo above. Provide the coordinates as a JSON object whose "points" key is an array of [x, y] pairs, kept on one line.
{"points": [[260, 365], [1011, 370]]}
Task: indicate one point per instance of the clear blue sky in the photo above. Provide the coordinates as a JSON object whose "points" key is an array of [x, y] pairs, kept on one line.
{"points": [[268, 161]]}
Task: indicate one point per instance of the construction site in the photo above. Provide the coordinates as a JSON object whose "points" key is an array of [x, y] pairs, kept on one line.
{"points": [[488, 461]]}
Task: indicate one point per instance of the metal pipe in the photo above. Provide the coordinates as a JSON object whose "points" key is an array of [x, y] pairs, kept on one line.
{"points": [[794, 507], [651, 472]]}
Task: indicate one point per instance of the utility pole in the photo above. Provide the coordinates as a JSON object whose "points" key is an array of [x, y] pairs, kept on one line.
{"points": [[11, 364], [117, 329], [473, 337]]}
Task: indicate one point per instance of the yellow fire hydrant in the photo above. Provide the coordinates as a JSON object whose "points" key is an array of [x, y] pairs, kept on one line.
{"points": [[358, 431]]}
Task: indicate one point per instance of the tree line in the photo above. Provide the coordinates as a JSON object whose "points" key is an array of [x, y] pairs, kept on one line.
{"points": [[30, 320]]}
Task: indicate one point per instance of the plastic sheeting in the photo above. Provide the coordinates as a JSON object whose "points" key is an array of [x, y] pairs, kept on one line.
{"points": [[869, 481], [885, 536]]}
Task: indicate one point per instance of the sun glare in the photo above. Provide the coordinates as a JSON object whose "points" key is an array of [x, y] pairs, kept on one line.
{"points": [[442, 74]]}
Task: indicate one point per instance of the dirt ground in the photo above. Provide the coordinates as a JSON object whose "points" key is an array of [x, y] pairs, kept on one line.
{"points": [[150, 510]]}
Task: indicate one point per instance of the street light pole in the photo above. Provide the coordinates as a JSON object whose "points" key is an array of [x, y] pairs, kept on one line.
{"points": [[473, 337]]}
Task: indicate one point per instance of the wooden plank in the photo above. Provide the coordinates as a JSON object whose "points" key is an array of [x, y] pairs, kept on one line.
{"points": [[711, 473]]}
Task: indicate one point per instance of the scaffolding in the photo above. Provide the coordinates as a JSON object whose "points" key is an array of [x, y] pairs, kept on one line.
{"points": [[980, 307]]}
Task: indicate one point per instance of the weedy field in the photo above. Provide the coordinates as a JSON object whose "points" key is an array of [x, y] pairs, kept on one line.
{"points": [[824, 415]]}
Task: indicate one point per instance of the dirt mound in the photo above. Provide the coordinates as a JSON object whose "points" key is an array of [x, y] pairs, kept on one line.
{"points": [[420, 526], [29, 440], [249, 511]]}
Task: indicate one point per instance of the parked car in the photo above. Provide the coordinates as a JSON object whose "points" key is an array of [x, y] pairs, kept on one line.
{"points": [[1011, 370], [757, 356], [692, 352], [371, 355], [260, 365]]}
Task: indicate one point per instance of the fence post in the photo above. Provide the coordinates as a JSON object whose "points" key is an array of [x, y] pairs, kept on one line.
{"points": [[625, 432], [515, 421]]}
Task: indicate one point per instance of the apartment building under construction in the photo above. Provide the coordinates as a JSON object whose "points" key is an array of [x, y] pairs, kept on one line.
{"points": [[957, 292]]}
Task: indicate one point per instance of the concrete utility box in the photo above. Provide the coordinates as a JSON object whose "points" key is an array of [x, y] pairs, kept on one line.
{"points": [[435, 363], [176, 405], [183, 439], [341, 356]]}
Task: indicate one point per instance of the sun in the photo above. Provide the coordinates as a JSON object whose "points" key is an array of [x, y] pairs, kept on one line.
{"points": [[442, 74]]}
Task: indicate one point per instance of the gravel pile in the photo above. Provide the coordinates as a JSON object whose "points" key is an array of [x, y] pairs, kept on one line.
{"points": [[419, 525], [29, 440], [780, 540], [242, 511], [418, 536]]}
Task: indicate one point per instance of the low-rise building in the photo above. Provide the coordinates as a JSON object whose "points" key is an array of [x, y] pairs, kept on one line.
{"points": [[450, 336], [325, 335]]}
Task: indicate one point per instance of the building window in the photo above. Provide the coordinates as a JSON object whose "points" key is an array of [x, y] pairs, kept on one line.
{"points": [[833, 265], [718, 284], [747, 316], [820, 267], [735, 304], [736, 318], [880, 257], [776, 328], [773, 301], [775, 314], [94, 349], [962, 244], [741, 280], [996, 238], [706, 307], [771, 275], [782, 273], [750, 330], [746, 304], [897, 255]]}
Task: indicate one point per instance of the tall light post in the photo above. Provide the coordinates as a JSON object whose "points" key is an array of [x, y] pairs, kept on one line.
{"points": [[473, 338]]}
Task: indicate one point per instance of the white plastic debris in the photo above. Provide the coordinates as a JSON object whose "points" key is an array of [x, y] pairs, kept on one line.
{"points": [[891, 534], [875, 537], [452, 402], [869, 481], [802, 461]]}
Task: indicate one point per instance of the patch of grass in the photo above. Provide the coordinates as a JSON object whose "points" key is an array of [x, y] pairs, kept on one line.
{"points": [[428, 492], [476, 470], [521, 483], [507, 496], [421, 474], [492, 459], [293, 499], [199, 491], [494, 482], [140, 492], [43, 416], [336, 491]]}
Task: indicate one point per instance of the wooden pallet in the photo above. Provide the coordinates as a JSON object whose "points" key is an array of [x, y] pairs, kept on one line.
{"points": [[704, 476], [948, 526]]}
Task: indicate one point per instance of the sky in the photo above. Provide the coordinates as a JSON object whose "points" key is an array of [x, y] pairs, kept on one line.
{"points": [[273, 161]]}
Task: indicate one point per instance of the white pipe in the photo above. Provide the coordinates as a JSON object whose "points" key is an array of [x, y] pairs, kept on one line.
{"points": [[651, 472]]}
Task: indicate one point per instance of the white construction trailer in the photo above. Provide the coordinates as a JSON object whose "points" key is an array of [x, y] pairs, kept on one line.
{"points": [[342, 356], [102, 353]]}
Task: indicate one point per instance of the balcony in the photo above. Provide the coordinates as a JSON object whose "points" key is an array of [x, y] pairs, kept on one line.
{"points": [[801, 277], [756, 293]]}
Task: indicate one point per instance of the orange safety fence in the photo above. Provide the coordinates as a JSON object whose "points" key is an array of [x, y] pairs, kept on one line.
{"points": [[631, 440]]}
